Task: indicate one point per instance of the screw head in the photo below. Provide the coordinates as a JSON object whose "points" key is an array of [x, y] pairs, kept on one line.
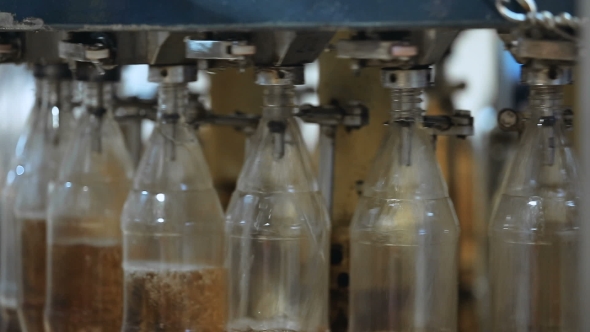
{"points": [[507, 118]]}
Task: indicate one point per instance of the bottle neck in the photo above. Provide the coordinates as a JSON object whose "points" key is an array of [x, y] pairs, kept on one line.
{"points": [[172, 100], [405, 103], [55, 111], [51, 91], [97, 97], [278, 102], [39, 92], [66, 95], [546, 108], [546, 100]]}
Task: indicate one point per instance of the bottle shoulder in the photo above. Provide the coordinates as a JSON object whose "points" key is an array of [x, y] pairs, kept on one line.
{"points": [[422, 216], [283, 213], [405, 166], [534, 214], [172, 210]]}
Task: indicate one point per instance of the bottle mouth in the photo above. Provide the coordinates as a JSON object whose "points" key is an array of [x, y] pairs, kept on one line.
{"points": [[278, 112]]}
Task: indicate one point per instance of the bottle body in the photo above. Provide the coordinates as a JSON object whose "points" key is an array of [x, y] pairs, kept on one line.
{"points": [[81, 253], [174, 274], [35, 166], [173, 227], [83, 250], [534, 229], [278, 250], [404, 267], [404, 235], [8, 278], [278, 230], [84, 234], [32, 234], [534, 273]]}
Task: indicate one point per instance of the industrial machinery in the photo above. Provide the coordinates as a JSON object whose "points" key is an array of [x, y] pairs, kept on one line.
{"points": [[227, 218]]}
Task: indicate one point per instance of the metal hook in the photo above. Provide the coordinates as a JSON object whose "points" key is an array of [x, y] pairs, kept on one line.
{"points": [[529, 5]]}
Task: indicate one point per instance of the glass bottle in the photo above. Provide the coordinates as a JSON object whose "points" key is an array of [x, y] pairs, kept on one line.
{"points": [[173, 227], [278, 230], [8, 253], [404, 233], [85, 277], [35, 169], [534, 233]]}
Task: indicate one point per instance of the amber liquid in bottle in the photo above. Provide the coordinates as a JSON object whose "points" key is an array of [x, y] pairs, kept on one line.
{"points": [[33, 237], [86, 286], [185, 298]]}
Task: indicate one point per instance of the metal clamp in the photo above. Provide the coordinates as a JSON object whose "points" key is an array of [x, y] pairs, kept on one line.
{"points": [[511, 120], [217, 49], [245, 123], [353, 115], [195, 116], [135, 108], [459, 124], [91, 48]]}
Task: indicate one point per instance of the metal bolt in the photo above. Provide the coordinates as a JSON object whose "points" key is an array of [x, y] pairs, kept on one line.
{"points": [[507, 119]]}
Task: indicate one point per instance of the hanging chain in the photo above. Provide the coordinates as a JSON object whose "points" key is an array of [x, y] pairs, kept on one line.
{"points": [[565, 25]]}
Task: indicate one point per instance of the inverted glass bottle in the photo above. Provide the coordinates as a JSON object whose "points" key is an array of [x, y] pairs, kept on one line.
{"points": [[534, 234], [8, 252], [175, 278], [404, 234], [85, 277], [35, 170], [278, 230]]}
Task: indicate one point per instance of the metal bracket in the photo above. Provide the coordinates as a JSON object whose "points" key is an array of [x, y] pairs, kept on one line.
{"points": [[375, 50], [196, 114], [82, 52], [219, 50], [460, 124], [353, 115], [376, 53]]}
